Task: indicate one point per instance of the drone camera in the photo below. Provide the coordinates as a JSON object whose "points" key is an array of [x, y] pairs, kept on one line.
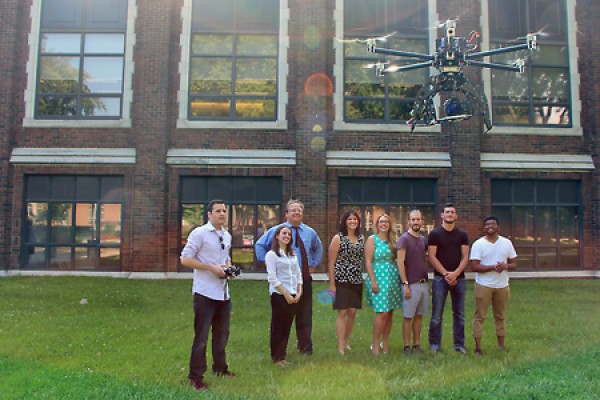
{"points": [[455, 107]]}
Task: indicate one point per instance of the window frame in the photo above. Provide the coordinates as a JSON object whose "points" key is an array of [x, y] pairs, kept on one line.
{"points": [[95, 245], [33, 65], [185, 121], [574, 128], [401, 225], [339, 68], [203, 197], [535, 247]]}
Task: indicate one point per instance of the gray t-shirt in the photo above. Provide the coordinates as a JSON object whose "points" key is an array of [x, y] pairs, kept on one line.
{"points": [[416, 248]]}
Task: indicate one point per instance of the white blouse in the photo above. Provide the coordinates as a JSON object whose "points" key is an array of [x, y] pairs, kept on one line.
{"points": [[283, 270]]}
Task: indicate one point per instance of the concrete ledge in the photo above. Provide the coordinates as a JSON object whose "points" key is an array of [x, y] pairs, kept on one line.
{"points": [[222, 157], [521, 161], [374, 159], [27, 155]]}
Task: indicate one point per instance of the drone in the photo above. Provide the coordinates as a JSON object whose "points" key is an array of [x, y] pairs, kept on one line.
{"points": [[452, 55]]}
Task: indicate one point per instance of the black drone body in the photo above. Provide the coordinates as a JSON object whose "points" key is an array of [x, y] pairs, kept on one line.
{"points": [[451, 56]]}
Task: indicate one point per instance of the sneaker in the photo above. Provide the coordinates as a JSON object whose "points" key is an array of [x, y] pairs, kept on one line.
{"points": [[461, 350], [478, 352], [417, 349], [282, 363], [199, 385], [407, 350], [225, 374], [434, 348]]}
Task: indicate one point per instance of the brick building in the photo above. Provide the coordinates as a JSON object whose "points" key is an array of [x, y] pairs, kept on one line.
{"points": [[121, 119]]}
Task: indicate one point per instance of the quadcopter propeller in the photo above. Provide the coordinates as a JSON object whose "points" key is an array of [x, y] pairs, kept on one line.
{"points": [[370, 42], [440, 24], [379, 66]]}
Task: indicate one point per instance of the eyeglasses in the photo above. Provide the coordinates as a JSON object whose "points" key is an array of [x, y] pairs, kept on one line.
{"points": [[384, 222]]}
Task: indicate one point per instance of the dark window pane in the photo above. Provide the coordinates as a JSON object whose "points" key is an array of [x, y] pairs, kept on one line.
{"points": [[110, 223], [569, 258], [38, 188], [423, 191], [111, 188], [244, 190], [267, 216], [211, 16], [242, 225], [550, 16], [568, 192], [399, 192], [106, 14], [192, 216], [57, 106], [193, 190], [37, 223], [35, 257], [523, 191], [219, 188], [61, 223], [87, 188], [375, 190], [546, 257], [568, 225], [269, 190], [546, 192], [85, 257], [524, 228], [63, 188], [110, 259], [258, 16], [526, 257], [60, 258], [350, 191], [504, 215], [546, 225], [501, 191], [62, 14], [507, 18], [85, 223], [243, 257]]}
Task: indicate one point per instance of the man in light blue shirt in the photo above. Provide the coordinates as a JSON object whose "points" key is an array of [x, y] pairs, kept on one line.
{"points": [[309, 250]]}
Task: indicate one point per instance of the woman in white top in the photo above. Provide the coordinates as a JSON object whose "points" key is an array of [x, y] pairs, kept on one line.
{"points": [[285, 286]]}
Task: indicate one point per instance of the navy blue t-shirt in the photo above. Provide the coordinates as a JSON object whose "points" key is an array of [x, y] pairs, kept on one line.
{"points": [[449, 244]]}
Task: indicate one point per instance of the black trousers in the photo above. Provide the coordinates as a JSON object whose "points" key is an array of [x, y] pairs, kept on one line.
{"points": [[282, 315], [304, 318], [209, 313]]}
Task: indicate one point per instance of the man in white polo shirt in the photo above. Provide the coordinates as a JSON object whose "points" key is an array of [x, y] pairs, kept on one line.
{"points": [[207, 253], [491, 257]]}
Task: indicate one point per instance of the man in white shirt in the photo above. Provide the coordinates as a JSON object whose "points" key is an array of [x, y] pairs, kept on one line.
{"points": [[207, 253], [491, 257]]}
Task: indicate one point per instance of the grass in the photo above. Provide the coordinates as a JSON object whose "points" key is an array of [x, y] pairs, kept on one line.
{"points": [[132, 339]]}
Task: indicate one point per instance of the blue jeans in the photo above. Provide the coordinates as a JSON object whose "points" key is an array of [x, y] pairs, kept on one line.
{"points": [[209, 313], [440, 289]]}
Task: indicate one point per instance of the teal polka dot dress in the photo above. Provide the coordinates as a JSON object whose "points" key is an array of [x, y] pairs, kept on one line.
{"points": [[387, 277]]}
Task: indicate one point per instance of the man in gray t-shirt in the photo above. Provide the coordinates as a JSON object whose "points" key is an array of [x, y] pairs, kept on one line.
{"points": [[412, 248]]}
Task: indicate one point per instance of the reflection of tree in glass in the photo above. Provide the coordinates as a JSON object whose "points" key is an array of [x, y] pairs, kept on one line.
{"points": [[59, 79]]}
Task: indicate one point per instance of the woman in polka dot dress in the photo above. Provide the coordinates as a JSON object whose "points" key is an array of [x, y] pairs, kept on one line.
{"points": [[383, 281]]}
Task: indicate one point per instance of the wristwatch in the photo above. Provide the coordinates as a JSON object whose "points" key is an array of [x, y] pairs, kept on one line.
{"points": [[405, 283]]}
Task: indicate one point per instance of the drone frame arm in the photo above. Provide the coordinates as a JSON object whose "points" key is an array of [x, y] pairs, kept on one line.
{"points": [[399, 53], [495, 66], [410, 67], [500, 50]]}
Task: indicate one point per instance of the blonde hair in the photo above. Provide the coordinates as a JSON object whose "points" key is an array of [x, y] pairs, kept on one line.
{"points": [[392, 236]]}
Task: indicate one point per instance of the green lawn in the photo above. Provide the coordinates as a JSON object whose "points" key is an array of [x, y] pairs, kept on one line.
{"points": [[132, 340]]}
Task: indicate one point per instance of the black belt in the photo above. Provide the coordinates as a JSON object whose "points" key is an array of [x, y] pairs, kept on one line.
{"points": [[419, 281]]}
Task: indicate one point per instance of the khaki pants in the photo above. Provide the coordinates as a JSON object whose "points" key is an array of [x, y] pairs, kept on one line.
{"points": [[483, 297]]}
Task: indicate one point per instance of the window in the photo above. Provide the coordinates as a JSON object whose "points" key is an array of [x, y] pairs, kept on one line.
{"points": [[543, 219], [388, 99], [254, 205], [234, 60], [81, 59], [396, 197], [542, 94], [72, 223]]}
